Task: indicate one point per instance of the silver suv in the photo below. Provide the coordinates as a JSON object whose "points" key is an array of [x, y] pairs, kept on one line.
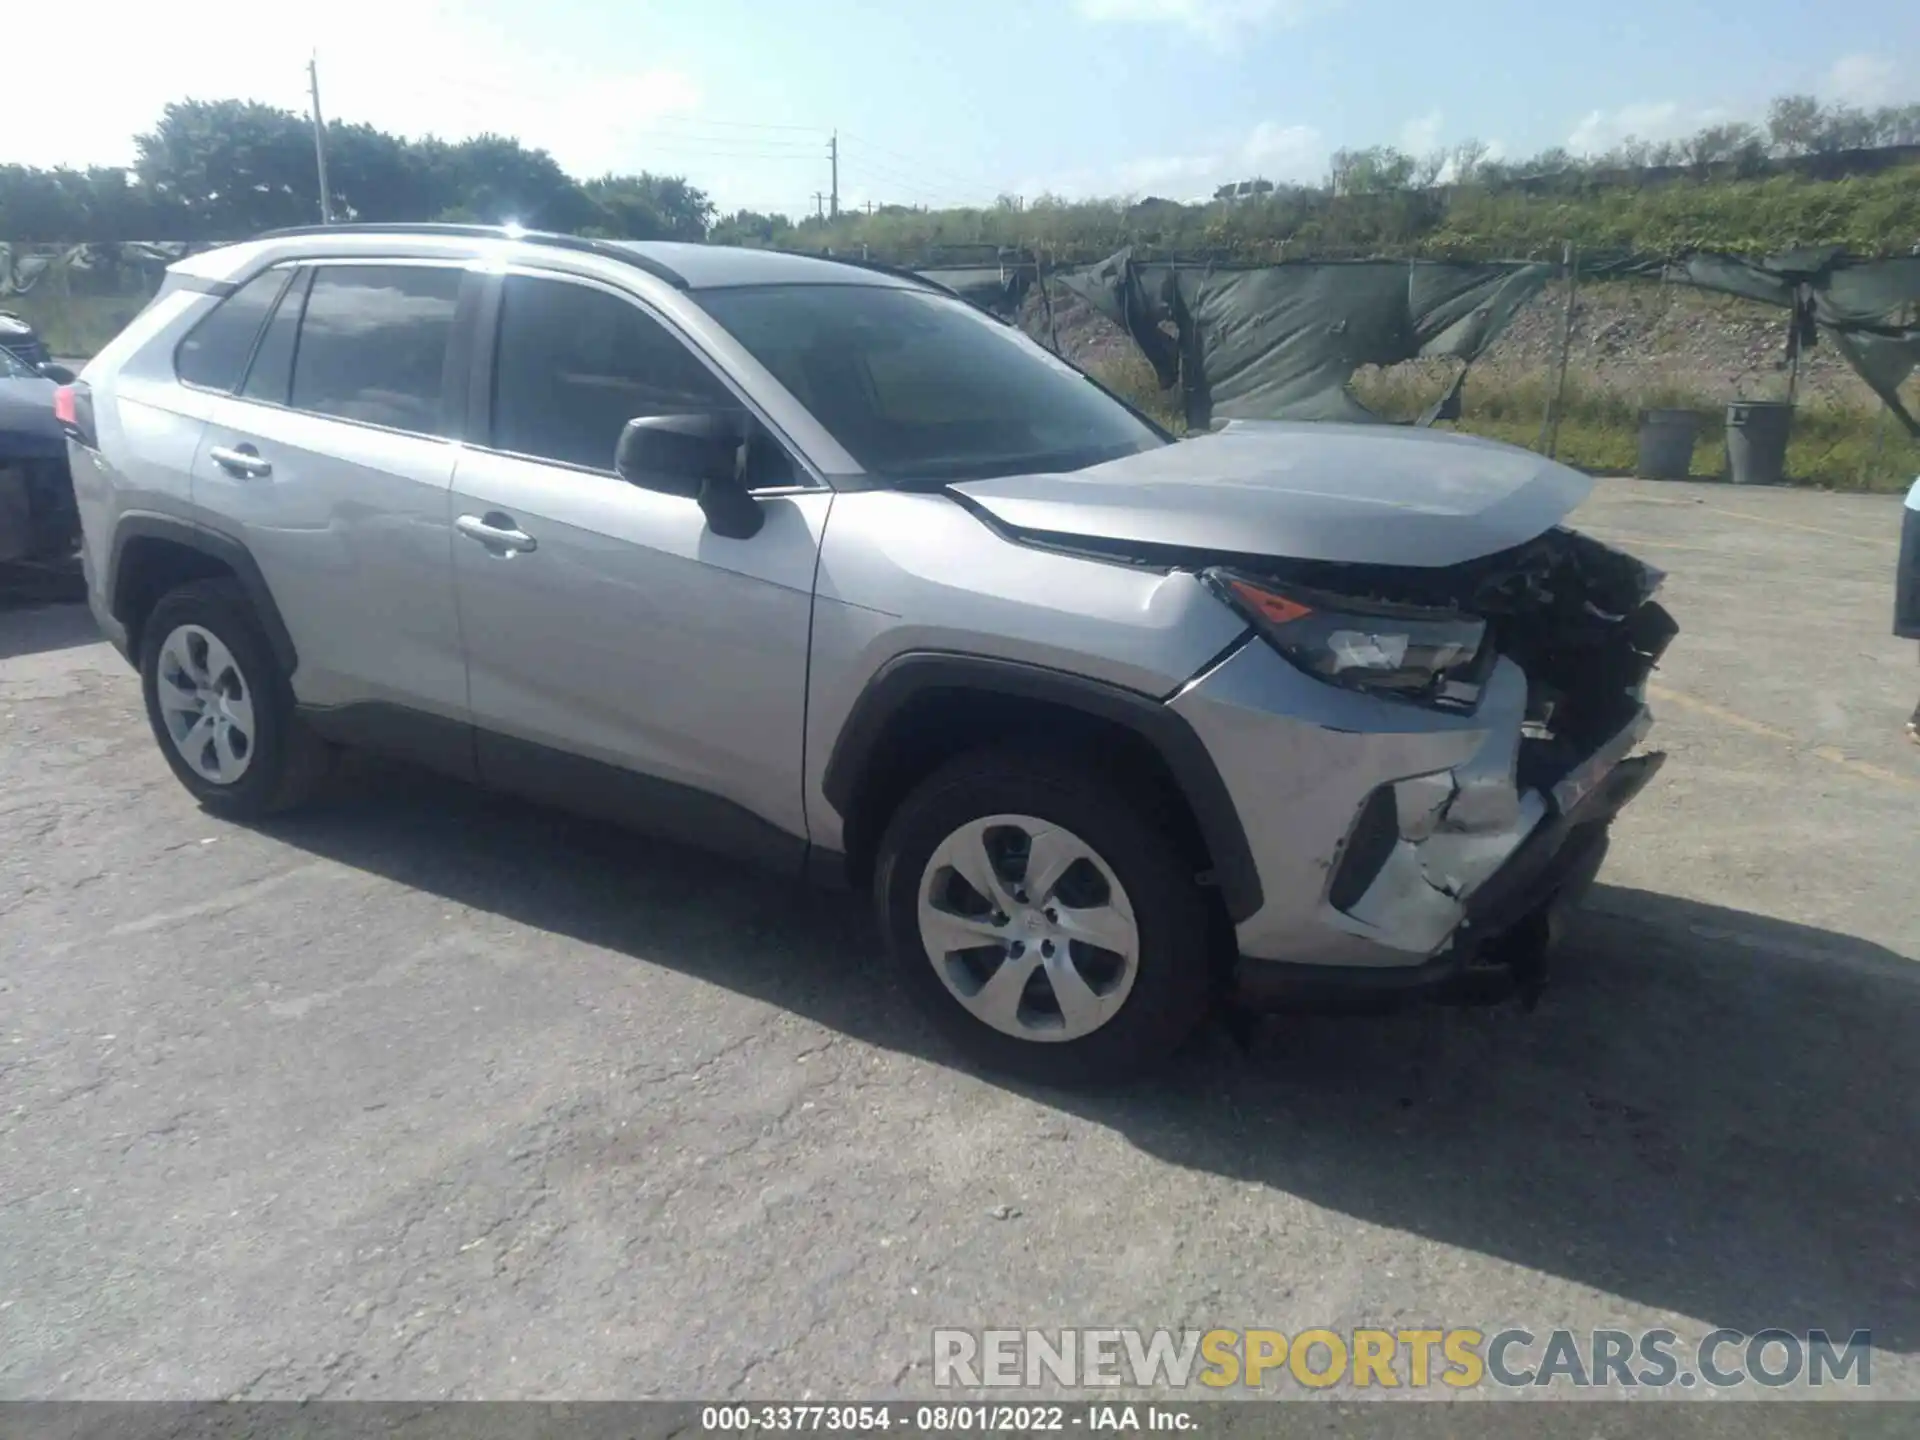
{"points": [[810, 562]]}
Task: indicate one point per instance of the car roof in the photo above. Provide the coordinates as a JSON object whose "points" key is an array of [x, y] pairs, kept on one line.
{"points": [[683, 264], [706, 267]]}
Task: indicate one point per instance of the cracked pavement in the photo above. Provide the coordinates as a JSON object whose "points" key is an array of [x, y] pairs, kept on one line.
{"points": [[427, 1093]]}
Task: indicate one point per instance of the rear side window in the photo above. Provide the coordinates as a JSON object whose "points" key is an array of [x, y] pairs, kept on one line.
{"points": [[574, 364], [373, 345], [215, 352], [271, 374]]}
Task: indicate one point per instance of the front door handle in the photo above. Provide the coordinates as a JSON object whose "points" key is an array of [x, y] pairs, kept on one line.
{"points": [[242, 460], [497, 532]]}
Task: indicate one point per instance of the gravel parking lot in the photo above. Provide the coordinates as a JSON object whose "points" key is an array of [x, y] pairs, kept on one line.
{"points": [[427, 1093]]}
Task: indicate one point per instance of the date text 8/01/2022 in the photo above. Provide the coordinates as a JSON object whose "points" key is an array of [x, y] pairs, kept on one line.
{"points": [[985, 1419]]}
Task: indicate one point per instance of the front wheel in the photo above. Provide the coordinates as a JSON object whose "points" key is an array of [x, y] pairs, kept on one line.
{"points": [[1042, 921]]}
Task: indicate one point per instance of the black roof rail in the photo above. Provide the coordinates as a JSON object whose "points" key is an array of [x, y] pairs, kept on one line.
{"points": [[882, 267], [607, 248]]}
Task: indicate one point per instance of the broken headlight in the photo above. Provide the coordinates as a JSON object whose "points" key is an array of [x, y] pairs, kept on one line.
{"points": [[1405, 650]]}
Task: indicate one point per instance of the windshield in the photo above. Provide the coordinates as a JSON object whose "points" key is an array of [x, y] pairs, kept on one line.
{"points": [[13, 368], [916, 385]]}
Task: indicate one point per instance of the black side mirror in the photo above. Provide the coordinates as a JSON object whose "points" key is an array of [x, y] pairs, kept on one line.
{"points": [[699, 456], [59, 374]]}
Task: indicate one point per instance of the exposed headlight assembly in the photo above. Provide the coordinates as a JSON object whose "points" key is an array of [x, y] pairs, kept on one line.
{"points": [[1407, 651]]}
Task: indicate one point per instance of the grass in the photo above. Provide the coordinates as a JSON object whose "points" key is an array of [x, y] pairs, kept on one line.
{"points": [[1834, 445], [75, 325], [1868, 214]]}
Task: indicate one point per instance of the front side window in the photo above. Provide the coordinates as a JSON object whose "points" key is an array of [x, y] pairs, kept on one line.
{"points": [[918, 386], [373, 345], [215, 351], [575, 364]]}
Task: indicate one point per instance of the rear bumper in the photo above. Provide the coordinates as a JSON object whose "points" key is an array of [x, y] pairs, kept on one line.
{"points": [[1545, 876]]}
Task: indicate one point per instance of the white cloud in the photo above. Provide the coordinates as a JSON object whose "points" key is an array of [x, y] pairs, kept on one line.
{"points": [[1269, 151], [1218, 21], [1422, 136], [1601, 130], [1861, 79]]}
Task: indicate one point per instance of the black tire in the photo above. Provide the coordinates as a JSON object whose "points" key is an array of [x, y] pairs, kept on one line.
{"points": [[288, 762], [1172, 988]]}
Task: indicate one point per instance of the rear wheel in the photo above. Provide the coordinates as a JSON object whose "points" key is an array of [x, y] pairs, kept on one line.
{"points": [[1042, 921], [220, 706]]}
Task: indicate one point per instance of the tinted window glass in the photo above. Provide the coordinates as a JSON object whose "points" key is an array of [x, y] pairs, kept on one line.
{"points": [[272, 369], [918, 385], [373, 345], [215, 351], [575, 364]]}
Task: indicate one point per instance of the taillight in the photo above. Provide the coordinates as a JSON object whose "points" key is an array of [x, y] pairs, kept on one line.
{"points": [[73, 408]]}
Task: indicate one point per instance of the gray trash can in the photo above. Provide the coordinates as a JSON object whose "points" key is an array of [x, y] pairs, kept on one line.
{"points": [[1666, 444], [1757, 432]]}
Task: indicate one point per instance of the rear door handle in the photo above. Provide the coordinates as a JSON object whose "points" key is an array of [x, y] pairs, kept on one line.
{"points": [[241, 460], [497, 532]]}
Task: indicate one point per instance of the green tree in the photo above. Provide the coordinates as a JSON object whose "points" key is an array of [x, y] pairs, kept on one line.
{"points": [[650, 207], [749, 227], [233, 167], [1794, 124], [499, 181]]}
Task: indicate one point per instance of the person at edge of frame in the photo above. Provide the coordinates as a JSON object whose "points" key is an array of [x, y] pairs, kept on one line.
{"points": [[1906, 600]]}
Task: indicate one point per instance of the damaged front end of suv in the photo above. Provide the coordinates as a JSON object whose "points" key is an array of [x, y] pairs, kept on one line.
{"points": [[1432, 718], [1547, 648]]}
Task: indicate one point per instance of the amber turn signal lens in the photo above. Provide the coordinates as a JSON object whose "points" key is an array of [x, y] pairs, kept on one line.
{"points": [[1274, 609]]}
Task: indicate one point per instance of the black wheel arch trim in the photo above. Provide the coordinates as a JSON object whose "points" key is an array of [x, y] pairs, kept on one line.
{"points": [[213, 543], [904, 677]]}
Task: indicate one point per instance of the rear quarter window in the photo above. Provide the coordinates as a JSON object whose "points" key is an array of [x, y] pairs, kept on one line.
{"points": [[214, 354]]}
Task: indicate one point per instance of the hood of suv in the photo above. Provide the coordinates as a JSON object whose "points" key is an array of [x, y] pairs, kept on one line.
{"points": [[1360, 494]]}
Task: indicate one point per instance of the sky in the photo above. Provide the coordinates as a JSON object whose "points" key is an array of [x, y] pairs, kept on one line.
{"points": [[962, 102]]}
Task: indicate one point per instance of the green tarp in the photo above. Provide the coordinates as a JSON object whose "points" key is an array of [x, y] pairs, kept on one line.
{"points": [[1868, 309], [997, 289], [1281, 341]]}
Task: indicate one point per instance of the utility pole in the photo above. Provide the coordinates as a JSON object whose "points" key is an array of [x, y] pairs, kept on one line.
{"points": [[1550, 422], [833, 155], [820, 204], [319, 138]]}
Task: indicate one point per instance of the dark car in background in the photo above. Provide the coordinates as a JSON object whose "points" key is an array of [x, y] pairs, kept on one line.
{"points": [[21, 340], [38, 520]]}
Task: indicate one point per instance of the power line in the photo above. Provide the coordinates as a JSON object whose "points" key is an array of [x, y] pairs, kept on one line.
{"points": [[887, 172], [934, 170], [713, 154], [566, 92], [911, 186], [914, 180]]}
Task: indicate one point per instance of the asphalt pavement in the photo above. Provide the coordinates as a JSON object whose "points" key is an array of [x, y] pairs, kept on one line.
{"points": [[427, 1093]]}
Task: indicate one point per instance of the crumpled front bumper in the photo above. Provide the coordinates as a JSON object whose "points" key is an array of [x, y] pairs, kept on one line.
{"points": [[1395, 844]]}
